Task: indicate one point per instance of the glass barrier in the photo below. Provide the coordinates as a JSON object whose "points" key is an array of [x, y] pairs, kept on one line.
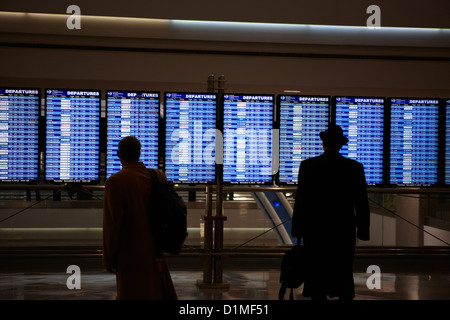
{"points": [[41, 217]]}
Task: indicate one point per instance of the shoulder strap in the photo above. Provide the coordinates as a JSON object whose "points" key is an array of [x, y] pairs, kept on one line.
{"points": [[153, 176]]}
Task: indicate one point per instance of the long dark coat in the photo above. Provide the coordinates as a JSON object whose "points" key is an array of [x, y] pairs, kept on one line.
{"points": [[331, 209], [128, 245]]}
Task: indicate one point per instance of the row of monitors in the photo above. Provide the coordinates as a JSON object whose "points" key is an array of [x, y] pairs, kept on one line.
{"points": [[400, 141]]}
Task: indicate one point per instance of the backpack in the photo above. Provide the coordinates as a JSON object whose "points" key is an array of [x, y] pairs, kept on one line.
{"points": [[292, 273], [168, 216]]}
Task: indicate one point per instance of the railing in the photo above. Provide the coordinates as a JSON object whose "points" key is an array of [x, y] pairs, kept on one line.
{"points": [[213, 248]]}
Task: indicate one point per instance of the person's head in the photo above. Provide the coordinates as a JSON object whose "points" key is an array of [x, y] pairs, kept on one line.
{"points": [[129, 149], [333, 138]]}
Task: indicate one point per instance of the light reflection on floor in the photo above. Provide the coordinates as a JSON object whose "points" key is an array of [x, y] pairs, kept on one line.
{"points": [[248, 285]]}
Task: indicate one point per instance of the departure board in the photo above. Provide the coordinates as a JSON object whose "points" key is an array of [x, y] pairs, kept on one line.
{"points": [[447, 141], [190, 137], [414, 141], [247, 139], [132, 113], [19, 134], [301, 118], [72, 135], [362, 120]]}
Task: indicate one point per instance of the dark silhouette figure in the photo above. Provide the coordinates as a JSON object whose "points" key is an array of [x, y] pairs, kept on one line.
{"points": [[331, 209], [128, 246]]}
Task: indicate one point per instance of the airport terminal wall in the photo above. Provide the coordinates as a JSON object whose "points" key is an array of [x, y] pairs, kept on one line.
{"points": [[166, 48]]}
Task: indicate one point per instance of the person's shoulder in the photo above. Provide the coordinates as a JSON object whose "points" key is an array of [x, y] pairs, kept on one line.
{"points": [[161, 175], [352, 162], [113, 178], [310, 163], [114, 182], [311, 160]]}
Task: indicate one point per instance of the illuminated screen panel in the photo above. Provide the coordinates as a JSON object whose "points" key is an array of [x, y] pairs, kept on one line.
{"points": [[72, 135], [362, 120], [302, 118], [132, 114], [190, 137], [247, 134], [447, 142], [19, 134], [414, 141]]}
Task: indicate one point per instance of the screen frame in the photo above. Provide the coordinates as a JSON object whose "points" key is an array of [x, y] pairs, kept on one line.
{"points": [[163, 145], [413, 185], [106, 124], [58, 182], [39, 137], [386, 125], [278, 126], [263, 183]]}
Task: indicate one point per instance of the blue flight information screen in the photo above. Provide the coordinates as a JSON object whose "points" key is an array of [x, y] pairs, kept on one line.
{"points": [[414, 141], [302, 118], [447, 141], [19, 130], [190, 137], [362, 120], [132, 114], [247, 139], [72, 135]]}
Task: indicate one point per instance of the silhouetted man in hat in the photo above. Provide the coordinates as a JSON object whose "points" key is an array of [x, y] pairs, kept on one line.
{"points": [[331, 209]]}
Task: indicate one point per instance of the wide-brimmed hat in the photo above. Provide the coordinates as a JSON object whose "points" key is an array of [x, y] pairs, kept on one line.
{"points": [[333, 135]]}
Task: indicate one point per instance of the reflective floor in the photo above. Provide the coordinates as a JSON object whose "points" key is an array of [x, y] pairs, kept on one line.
{"points": [[245, 277]]}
